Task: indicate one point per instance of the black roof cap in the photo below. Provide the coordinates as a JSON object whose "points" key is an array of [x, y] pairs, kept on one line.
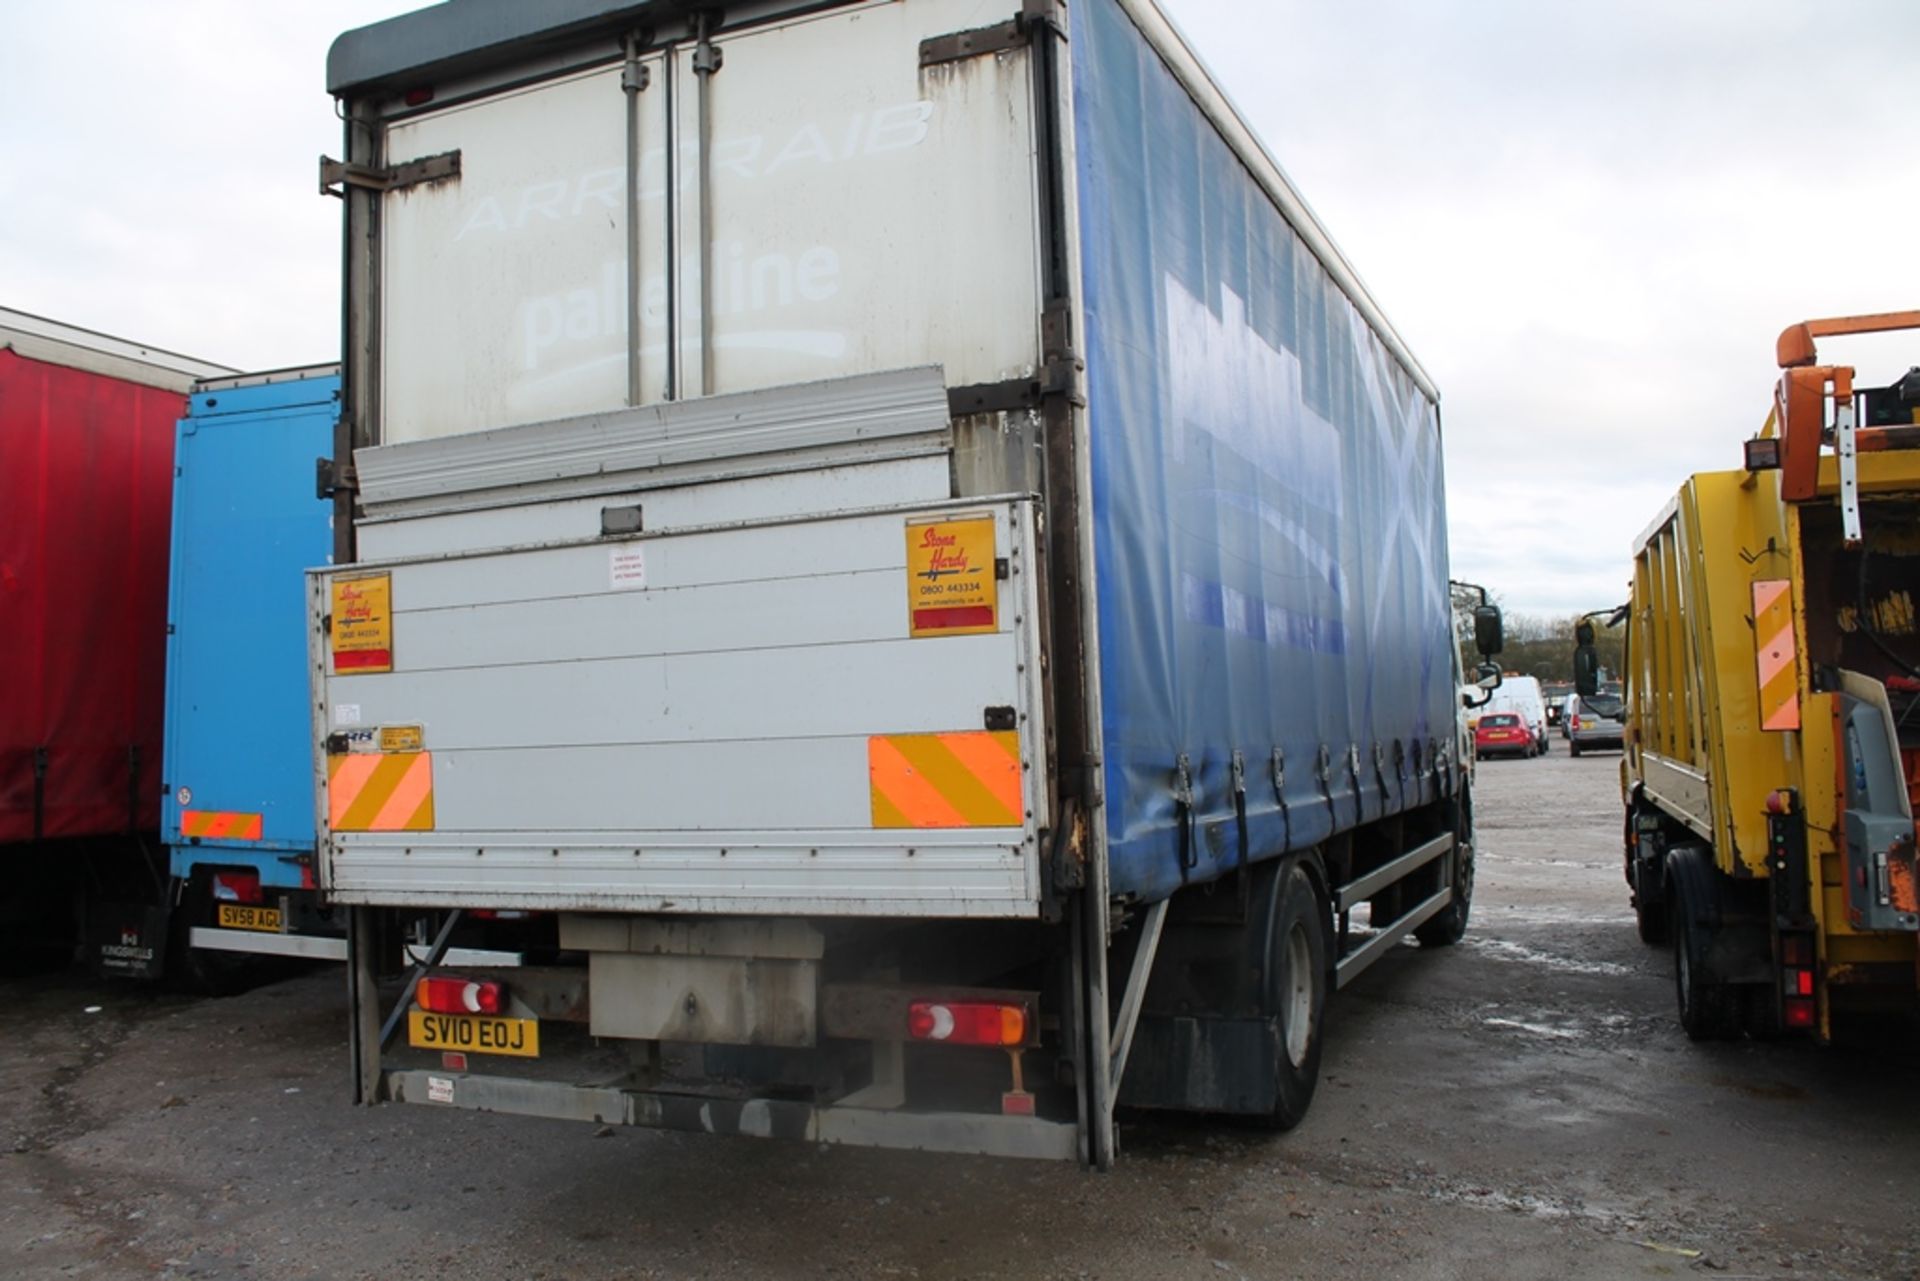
{"points": [[460, 36], [463, 35]]}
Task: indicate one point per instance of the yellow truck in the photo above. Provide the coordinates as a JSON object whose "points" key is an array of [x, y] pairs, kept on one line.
{"points": [[1772, 763]]}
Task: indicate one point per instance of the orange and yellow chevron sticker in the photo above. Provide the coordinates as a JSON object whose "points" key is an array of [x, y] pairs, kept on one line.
{"points": [[221, 825], [969, 779], [1775, 654], [380, 792]]}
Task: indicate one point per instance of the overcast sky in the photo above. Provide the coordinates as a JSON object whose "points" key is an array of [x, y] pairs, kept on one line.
{"points": [[1589, 220]]}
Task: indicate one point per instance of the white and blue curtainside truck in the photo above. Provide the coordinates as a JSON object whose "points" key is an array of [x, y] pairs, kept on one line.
{"points": [[890, 585]]}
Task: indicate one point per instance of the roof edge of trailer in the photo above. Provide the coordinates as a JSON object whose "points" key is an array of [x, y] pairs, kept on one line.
{"points": [[461, 36], [1171, 44], [264, 377], [56, 343]]}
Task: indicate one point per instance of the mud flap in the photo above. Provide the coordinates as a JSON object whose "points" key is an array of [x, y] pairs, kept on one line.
{"points": [[127, 940], [1226, 1065]]}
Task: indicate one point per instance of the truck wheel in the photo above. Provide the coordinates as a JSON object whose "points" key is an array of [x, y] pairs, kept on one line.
{"points": [[1297, 999], [1709, 1011], [1450, 926]]}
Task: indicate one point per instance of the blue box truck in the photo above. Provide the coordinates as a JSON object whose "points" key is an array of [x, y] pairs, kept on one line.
{"points": [[891, 538], [237, 810]]}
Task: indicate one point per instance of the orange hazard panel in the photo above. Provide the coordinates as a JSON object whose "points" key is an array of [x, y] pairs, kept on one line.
{"points": [[380, 792], [1776, 655], [222, 825], [946, 780]]}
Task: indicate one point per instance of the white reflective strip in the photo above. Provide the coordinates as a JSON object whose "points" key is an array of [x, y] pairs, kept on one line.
{"points": [[306, 946], [1846, 446], [417, 954]]}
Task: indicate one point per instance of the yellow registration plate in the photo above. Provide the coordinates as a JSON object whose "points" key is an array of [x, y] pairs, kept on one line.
{"points": [[238, 916], [474, 1033]]}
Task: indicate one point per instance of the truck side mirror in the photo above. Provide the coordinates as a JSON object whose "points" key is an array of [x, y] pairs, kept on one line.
{"points": [[1488, 633], [1586, 666], [1487, 678]]}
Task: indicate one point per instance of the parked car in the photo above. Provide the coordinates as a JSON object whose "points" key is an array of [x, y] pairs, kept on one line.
{"points": [[1521, 696], [1503, 733], [1556, 693], [1595, 722]]}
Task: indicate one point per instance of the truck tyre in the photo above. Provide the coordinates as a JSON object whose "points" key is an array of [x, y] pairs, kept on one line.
{"points": [[1450, 926], [1297, 995], [1709, 1010]]}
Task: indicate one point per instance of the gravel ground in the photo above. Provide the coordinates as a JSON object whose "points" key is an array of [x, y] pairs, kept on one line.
{"points": [[1522, 1105]]}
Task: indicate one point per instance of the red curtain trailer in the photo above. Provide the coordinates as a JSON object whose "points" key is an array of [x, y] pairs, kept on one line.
{"points": [[86, 480]]}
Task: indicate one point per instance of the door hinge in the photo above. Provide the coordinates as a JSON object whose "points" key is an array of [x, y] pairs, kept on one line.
{"points": [[330, 478], [1060, 378], [1055, 378], [981, 41], [336, 176]]}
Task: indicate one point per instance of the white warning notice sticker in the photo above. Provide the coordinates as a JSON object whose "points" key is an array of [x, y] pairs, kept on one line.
{"points": [[626, 568], [439, 1089]]}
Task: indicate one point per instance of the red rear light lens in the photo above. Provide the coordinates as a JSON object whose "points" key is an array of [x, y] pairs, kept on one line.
{"points": [[1803, 982], [967, 1022], [1800, 1013], [238, 887], [1796, 950], [441, 995]]}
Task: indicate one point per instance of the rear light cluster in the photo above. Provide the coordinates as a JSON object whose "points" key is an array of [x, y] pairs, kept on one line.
{"points": [[238, 887], [441, 995], [967, 1022], [1800, 1008]]}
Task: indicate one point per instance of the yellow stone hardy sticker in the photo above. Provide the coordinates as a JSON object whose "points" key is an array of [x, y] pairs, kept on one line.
{"points": [[362, 635], [951, 588]]}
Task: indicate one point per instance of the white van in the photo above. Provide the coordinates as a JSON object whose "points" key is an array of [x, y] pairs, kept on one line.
{"points": [[1521, 695]]}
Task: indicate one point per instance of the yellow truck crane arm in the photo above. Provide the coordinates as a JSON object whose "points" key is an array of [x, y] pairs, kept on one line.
{"points": [[1800, 404]]}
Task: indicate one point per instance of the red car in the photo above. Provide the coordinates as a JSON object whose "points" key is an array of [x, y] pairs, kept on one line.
{"points": [[1500, 732]]}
